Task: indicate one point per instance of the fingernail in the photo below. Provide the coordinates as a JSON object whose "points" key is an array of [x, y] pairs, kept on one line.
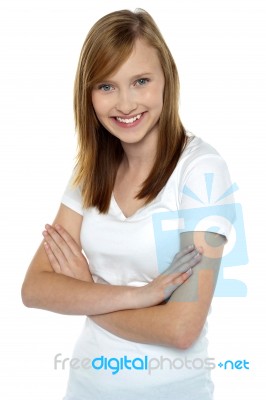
{"points": [[189, 272], [197, 255], [200, 249]]}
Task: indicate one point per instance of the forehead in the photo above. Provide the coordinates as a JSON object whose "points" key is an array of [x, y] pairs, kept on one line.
{"points": [[143, 59]]}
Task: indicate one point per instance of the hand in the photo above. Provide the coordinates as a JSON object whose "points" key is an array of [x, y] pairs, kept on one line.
{"points": [[167, 282], [64, 254]]}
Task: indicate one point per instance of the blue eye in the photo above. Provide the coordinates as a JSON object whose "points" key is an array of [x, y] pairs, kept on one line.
{"points": [[105, 87], [142, 81]]}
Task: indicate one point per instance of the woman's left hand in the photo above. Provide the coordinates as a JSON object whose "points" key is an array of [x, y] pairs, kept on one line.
{"points": [[64, 254]]}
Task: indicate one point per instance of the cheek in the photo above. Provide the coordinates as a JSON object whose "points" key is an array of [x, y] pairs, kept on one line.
{"points": [[155, 97], [94, 101], [156, 103], [99, 104]]}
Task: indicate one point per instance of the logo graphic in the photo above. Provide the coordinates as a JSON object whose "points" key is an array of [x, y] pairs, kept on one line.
{"points": [[145, 364], [238, 364], [210, 216]]}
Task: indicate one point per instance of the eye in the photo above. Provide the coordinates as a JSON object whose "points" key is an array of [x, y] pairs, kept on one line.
{"points": [[142, 81], [105, 87]]}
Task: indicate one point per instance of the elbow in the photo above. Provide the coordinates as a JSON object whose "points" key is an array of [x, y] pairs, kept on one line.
{"points": [[183, 340], [183, 343], [27, 296], [34, 290]]}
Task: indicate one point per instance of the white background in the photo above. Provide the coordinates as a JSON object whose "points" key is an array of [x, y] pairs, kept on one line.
{"points": [[219, 48]]}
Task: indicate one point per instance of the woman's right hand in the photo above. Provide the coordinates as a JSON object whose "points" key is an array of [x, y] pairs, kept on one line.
{"points": [[64, 254], [167, 282]]}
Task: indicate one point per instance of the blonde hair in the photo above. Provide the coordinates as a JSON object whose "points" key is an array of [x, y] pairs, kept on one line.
{"points": [[108, 44]]}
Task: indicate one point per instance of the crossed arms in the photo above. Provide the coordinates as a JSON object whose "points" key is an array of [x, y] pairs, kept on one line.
{"points": [[170, 311]]}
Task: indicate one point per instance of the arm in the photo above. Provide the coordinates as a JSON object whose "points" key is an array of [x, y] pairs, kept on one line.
{"points": [[45, 289], [59, 280], [179, 322]]}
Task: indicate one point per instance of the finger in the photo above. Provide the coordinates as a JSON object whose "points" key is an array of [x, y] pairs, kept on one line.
{"points": [[53, 261], [62, 246], [54, 248], [183, 277], [178, 281], [75, 248], [188, 249], [185, 257], [191, 263], [183, 264]]}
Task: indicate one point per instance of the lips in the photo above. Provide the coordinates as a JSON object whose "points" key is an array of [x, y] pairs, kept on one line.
{"points": [[128, 122]]}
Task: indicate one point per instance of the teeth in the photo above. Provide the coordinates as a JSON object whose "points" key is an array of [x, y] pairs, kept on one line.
{"points": [[129, 121]]}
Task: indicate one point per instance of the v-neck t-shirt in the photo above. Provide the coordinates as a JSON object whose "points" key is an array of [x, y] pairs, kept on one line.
{"points": [[133, 251]]}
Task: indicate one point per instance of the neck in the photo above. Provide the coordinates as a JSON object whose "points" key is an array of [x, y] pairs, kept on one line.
{"points": [[140, 156]]}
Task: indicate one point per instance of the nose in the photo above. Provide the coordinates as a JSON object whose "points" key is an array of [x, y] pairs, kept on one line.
{"points": [[126, 102]]}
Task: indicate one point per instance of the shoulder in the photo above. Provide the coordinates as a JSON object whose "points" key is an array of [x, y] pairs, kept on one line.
{"points": [[202, 185], [199, 157], [201, 175], [72, 197], [197, 148]]}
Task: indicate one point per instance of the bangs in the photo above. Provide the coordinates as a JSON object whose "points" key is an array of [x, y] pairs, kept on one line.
{"points": [[106, 56]]}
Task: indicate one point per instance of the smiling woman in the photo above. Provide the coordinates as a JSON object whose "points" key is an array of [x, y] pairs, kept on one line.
{"points": [[117, 41], [101, 257], [130, 101]]}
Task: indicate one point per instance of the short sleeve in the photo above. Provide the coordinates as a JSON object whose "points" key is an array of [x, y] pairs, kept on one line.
{"points": [[72, 198], [206, 199]]}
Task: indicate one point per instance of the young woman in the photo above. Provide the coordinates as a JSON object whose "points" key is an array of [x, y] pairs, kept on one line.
{"points": [[130, 208]]}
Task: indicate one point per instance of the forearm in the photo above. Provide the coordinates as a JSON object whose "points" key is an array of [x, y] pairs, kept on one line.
{"points": [[150, 325], [179, 322], [59, 280], [66, 295], [176, 323], [161, 324]]}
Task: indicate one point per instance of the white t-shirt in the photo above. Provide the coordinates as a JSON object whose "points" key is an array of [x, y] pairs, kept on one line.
{"points": [[133, 251]]}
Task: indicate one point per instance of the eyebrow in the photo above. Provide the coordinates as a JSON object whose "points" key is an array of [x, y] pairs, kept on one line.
{"points": [[141, 75], [134, 77]]}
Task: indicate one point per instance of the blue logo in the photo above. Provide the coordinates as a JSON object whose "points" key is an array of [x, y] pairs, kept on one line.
{"points": [[230, 364], [169, 225]]}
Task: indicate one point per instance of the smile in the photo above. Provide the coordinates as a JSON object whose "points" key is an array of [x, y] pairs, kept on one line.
{"points": [[130, 120]]}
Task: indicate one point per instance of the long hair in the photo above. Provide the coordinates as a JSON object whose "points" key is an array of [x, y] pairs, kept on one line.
{"points": [[107, 46]]}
